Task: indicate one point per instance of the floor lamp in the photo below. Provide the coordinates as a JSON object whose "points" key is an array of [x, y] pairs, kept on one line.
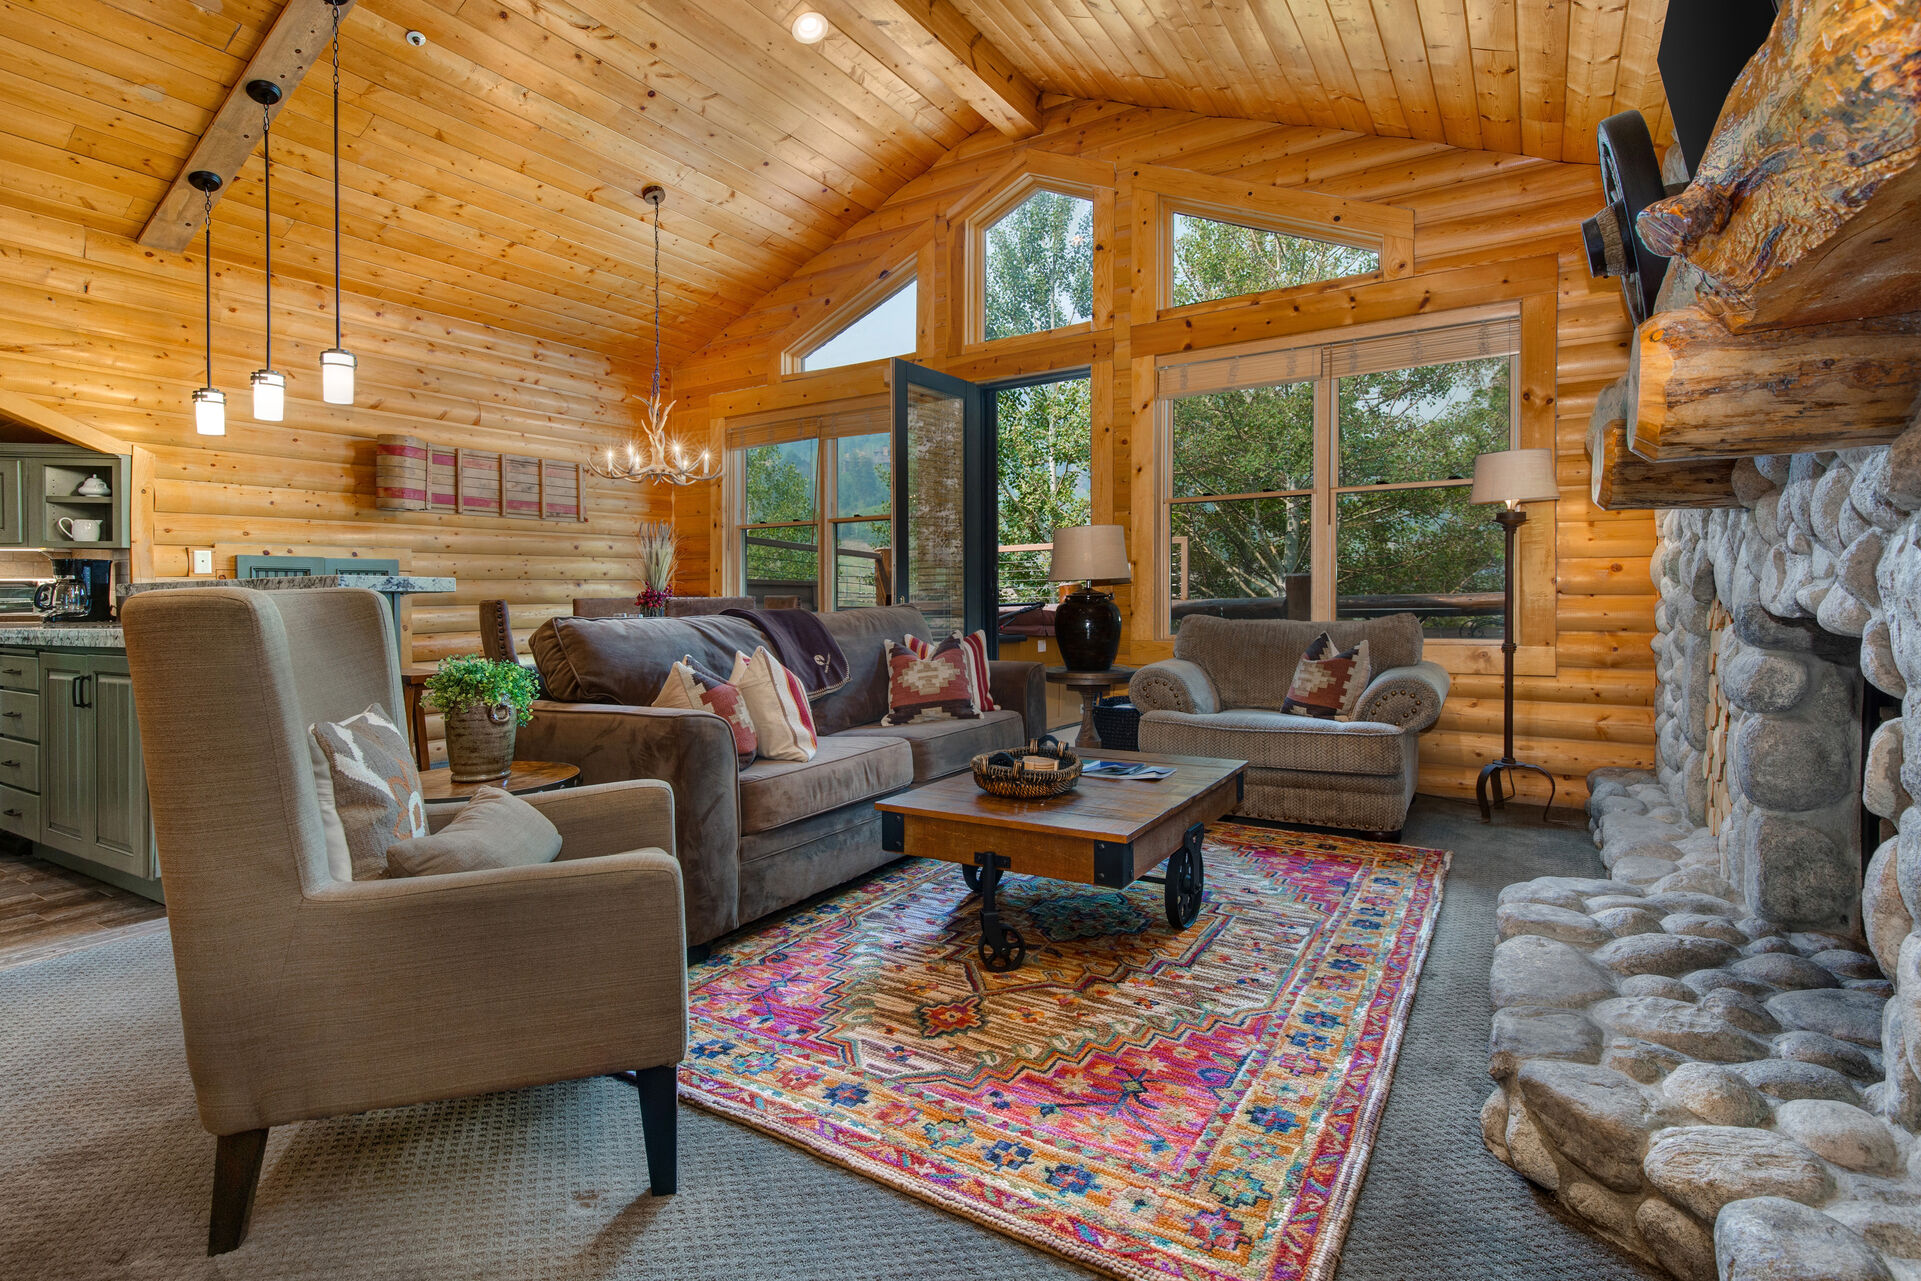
{"points": [[1510, 477]]}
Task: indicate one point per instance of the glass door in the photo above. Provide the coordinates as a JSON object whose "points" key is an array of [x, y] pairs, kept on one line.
{"points": [[944, 500]]}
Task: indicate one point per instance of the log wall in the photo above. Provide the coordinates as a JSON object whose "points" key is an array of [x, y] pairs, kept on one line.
{"points": [[1591, 704], [110, 335]]}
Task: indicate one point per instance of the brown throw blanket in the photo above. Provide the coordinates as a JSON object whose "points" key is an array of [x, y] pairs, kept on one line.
{"points": [[802, 644]]}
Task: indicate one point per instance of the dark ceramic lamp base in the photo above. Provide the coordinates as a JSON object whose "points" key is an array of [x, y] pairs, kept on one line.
{"points": [[1087, 626]]}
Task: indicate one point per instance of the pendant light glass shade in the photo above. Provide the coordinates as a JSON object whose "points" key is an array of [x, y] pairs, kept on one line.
{"points": [[209, 402], [269, 395], [337, 363], [337, 376], [210, 412]]}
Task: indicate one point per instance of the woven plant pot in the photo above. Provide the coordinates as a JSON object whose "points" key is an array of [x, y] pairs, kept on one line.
{"points": [[480, 743]]}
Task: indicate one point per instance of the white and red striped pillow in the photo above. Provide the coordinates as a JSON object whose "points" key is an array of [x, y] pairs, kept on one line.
{"points": [[975, 647], [777, 703]]}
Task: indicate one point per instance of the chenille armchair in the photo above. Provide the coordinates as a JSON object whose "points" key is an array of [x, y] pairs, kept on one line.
{"points": [[303, 995], [1221, 694]]}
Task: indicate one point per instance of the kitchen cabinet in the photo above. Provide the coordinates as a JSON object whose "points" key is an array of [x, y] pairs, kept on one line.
{"points": [[41, 484], [92, 801]]}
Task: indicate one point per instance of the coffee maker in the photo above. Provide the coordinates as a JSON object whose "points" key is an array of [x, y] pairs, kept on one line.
{"points": [[81, 592]]}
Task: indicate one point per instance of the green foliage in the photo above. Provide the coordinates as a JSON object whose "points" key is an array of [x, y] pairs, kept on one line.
{"points": [[1222, 259], [1039, 269], [1045, 473], [1423, 423], [779, 481], [472, 680]]}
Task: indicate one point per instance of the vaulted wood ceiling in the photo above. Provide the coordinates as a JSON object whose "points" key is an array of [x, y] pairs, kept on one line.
{"points": [[493, 174]]}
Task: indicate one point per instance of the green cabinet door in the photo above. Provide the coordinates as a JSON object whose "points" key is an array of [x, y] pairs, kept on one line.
{"points": [[13, 517], [122, 835], [66, 754]]}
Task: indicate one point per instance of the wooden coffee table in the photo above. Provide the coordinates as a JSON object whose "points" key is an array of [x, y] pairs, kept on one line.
{"points": [[1107, 832]]}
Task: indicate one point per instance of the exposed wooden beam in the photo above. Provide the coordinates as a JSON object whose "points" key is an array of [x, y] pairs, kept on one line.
{"points": [[299, 35], [31, 413], [1700, 391], [1805, 205], [1620, 480], [953, 48]]}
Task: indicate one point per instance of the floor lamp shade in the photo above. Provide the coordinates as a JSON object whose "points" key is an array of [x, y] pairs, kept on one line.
{"points": [[1087, 625], [1515, 476]]}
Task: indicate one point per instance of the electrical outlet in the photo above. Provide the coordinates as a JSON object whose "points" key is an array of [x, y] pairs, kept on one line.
{"points": [[203, 561], [1043, 646]]}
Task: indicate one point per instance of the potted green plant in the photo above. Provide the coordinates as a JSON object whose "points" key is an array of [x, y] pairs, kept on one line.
{"points": [[482, 703]]}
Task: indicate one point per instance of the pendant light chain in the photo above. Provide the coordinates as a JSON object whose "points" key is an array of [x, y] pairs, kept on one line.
{"points": [[207, 261], [266, 212], [336, 17], [657, 302]]}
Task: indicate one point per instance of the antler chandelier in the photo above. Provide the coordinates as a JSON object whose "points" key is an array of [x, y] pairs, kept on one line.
{"points": [[652, 454]]}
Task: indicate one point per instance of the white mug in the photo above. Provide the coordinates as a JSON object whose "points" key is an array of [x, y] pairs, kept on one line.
{"points": [[79, 531]]}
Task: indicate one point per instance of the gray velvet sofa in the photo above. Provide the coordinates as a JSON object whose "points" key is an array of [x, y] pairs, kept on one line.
{"points": [[1221, 695], [754, 841]]}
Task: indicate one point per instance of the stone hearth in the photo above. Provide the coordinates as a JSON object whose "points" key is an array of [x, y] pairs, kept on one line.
{"points": [[1706, 1055]]}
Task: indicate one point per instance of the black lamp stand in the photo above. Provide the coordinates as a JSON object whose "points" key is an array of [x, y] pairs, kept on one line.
{"points": [[1496, 781]]}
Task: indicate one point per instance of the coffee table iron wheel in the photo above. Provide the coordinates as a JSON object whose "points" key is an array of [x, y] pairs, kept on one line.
{"points": [[1002, 948]]}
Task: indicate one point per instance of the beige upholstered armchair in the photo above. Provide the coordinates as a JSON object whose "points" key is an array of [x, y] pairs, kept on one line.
{"points": [[1221, 695], [302, 995]]}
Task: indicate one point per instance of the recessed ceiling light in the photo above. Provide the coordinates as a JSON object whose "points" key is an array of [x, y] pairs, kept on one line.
{"points": [[809, 27]]}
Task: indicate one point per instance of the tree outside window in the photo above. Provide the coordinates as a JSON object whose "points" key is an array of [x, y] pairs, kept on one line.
{"points": [[1045, 438], [1214, 259], [1038, 266]]}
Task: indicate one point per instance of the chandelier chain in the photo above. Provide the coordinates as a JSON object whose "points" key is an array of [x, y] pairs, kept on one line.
{"points": [[336, 52], [266, 214], [207, 262]]}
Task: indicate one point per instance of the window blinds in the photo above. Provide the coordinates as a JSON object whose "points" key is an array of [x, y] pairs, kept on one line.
{"points": [[1496, 337], [869, 415]]}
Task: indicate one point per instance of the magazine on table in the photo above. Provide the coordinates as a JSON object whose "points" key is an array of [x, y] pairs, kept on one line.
{"points": [[1135, 771]]}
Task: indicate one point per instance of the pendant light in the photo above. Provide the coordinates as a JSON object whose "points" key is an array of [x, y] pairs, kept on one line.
{"points": [[269, 384], [652, 454], [337, 363], [209, 402]]}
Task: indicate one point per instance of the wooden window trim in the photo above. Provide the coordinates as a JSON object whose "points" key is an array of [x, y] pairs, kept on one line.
{"points": [[970, 260], [1534, 394]]}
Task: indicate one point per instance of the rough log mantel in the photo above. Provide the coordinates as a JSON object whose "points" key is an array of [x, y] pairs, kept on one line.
{"points": [[1619, 480], [1700, 391], [1806, 207]]}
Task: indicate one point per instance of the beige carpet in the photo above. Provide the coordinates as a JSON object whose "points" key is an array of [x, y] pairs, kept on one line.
{"points": [[106, 1173]]}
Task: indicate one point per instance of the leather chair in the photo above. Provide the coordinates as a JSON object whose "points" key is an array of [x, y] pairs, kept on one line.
{"points": [[497, 632], [306, 996]]}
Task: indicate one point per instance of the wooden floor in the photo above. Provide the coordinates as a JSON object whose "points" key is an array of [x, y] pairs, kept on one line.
{"points": [[47, 910]]}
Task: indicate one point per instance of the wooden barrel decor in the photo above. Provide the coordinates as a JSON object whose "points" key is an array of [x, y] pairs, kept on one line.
{"points": [[400, 474]]}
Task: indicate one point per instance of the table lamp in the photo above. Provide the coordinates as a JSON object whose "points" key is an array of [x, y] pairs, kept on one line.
{"points": [[1088, 623], [1510, 477]]}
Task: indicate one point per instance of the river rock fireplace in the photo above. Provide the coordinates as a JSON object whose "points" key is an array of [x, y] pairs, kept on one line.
{"points": [[1710, 1056]]}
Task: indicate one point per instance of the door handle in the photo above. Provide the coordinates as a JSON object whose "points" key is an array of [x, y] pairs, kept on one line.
{"points": [[11, 715], [12, 813], [86, 690], [73, 691], [9, 764]]}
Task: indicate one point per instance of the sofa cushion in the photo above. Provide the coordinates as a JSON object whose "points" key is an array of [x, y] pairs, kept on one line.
{"points": [[1275, 740], [1251, 660], [844, 771], [946, 747], [863, 635], [626, 660]]}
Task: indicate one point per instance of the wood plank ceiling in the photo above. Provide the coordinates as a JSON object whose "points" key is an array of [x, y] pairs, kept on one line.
{"points": [[492, 175]]}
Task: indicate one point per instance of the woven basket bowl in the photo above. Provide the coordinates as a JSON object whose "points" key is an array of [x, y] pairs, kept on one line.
{"points": [[1019, 783]]}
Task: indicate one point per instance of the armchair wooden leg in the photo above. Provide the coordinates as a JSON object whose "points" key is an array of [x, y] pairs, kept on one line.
{"points": [[658, 1106], [236, 1173]]}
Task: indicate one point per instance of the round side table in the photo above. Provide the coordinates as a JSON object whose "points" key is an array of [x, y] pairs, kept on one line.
{"points": [[1091, 686], [526, 776]]}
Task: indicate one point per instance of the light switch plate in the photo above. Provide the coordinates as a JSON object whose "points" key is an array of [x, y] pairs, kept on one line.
{"points": [[203, 561]]}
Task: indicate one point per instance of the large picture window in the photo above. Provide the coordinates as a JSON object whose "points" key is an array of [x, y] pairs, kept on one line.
{"points": [[815, 519], [1044, 445], [1332, 480]]}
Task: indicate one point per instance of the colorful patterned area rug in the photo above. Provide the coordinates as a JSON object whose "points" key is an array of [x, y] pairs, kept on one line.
{"points": [[1154, 1105]]}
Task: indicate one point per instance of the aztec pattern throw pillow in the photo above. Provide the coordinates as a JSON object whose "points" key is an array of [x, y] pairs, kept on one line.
{"points": [[976, 647], [1328, 683], [777, 704], [938, 687], [692, 686], [369, 792]]}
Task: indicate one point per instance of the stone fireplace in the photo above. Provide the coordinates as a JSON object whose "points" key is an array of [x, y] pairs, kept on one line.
{"points": [[1710, 1054]]}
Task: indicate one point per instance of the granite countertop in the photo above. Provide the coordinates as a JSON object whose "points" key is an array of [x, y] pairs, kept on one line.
{"points": [[62, 636], [377, 582]]}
